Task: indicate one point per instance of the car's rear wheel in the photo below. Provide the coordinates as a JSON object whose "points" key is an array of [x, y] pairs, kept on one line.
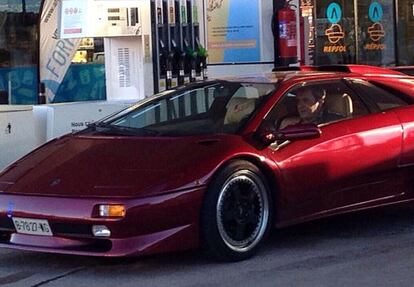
{"points": [[236, 212]]}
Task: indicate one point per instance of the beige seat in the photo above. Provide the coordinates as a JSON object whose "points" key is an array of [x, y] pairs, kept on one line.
{"points": [[241, 105], [340, 104], [288, 121], [237, 109]]}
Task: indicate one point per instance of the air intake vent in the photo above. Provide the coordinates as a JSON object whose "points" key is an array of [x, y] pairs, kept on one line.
{"points": [[334, 68], [124, 74]]}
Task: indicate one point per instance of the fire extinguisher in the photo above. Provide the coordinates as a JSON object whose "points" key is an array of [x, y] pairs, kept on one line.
{"points": [[286, 19]]}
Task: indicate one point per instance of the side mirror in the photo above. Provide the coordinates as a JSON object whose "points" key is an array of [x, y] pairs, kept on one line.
{"points": [[291, 133]]}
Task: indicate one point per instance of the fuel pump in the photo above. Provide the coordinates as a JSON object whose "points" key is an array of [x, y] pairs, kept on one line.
{"points": [[159, 20], [195, 40], [178, 55]]}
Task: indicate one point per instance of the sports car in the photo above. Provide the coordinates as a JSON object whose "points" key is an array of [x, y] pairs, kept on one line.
{"points": [[216, 164]]}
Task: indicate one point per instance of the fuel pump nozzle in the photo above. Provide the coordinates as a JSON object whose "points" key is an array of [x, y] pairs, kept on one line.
{"points": [[202, 58], [191, 56], [166, 57], [179, 57]]}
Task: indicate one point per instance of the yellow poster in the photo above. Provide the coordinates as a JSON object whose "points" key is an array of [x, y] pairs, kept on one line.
{"points": [[233, 31]]}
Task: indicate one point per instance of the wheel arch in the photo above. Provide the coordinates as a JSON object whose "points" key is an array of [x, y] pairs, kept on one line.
{"points": [[271, 177], [264, 168], [212, 239]]}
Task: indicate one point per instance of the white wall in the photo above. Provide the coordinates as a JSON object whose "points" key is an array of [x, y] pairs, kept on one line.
{"points": [[32, 126], [71, 117], [17, 136]]}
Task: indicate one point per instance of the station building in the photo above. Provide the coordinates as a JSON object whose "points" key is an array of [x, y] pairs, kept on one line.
{"points": [[236, 34]]}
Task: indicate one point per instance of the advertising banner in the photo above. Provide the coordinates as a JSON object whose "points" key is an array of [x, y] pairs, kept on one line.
{"points": [[233, 31], [55, 54]]}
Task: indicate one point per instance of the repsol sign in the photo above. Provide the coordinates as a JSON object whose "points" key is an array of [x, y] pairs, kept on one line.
{"points": [[334, 49]]}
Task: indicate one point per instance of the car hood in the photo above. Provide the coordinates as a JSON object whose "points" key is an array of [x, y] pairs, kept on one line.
{"points": [[101, 166]]}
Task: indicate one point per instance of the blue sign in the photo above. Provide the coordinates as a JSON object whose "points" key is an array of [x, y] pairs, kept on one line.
{"points": [[334, 13], [83, 82], [375, 12], [22, 83]]}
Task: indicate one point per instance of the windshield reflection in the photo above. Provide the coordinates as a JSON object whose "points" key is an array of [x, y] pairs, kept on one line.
{"points": [[207, 108]]}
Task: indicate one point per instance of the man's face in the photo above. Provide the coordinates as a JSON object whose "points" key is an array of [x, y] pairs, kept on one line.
{"points": [[308, 107]]}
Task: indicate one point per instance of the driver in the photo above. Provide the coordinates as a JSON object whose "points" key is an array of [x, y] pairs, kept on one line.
{"points": [[310, 106]]}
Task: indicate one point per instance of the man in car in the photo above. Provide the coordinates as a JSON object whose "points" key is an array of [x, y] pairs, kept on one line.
{"points": [[310, 106]]}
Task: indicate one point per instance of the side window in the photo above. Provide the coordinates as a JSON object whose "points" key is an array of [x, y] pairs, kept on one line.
{"points": [[318, 103], [382, 100]]}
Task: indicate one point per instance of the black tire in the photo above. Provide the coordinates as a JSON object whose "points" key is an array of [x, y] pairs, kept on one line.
{"points": [[237, 212]]}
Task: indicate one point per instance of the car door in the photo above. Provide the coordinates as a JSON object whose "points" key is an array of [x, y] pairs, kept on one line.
{"points": [[351, 164], [385, 99]]}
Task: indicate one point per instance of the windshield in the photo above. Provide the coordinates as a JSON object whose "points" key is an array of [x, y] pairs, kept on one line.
{"points": [[207, 108]]}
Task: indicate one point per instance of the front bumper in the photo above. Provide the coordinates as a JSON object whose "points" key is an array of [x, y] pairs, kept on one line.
{"points": [[156, 224]]}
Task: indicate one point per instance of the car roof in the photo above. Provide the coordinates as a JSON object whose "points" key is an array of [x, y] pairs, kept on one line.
{"points": [[282, 74], [276, 77]]}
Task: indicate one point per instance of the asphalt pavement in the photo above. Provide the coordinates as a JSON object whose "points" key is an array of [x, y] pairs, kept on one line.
{"points": [[373, 248]]}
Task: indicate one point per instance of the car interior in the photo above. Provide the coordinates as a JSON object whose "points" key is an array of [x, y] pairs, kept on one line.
{"points": [[241, 105], [336, 102]]}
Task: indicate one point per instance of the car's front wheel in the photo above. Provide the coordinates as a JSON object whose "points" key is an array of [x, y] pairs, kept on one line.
{"points": [[236, 213]]}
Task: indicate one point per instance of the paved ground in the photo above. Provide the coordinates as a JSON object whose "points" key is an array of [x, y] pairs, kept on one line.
{"points": [[367, 249]]}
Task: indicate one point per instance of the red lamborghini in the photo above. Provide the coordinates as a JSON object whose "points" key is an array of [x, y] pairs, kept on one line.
{"points": [[217, 164]]}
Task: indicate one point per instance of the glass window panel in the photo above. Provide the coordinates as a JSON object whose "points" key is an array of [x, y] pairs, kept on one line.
{"points": [[85, 78], [382, 99], [405, 30], [334, 32], [18, 51], [318, 103], [202, 100], [376, 32]]}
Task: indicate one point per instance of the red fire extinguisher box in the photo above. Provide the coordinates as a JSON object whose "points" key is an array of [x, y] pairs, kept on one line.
{"points": [[287, 41]]}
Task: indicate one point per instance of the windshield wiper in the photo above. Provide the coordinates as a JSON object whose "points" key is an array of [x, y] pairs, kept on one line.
{"points": [[151, 132], [94, 125], [123, 130]]}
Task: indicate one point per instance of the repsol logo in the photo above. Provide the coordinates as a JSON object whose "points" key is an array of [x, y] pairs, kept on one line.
{"points": [[374, 46], [334, 49]]}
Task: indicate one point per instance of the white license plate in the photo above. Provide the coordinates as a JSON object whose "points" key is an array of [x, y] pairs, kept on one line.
{"points": [[32, 226]]}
